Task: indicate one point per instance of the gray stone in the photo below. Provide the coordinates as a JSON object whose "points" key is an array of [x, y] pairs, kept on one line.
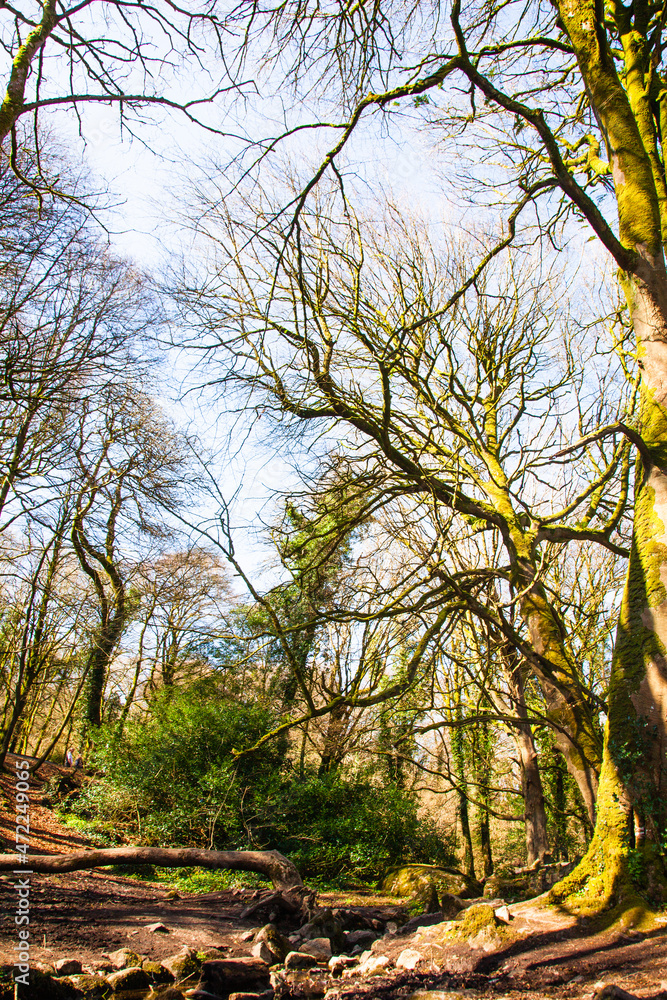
{"points": [[181, 966], [299, 960], [157, 928], [277, 945], [156, 971], [324, 924], [503, 914], [44, 967], [409, 959], [613, 992], [374, 966], [262, 950], [451, 905], [91, 987], [226, 975], [123, 958], [68, 967], [129, 979], [363, 938], [319, 948], [339, 962]]}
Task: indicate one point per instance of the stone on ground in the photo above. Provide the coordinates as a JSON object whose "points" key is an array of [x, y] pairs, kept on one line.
{"points": [[409, 959], [129, 979], [123, 958], [68, 967], [181, 966], [319, 948], [227, 975], [299, 960]]}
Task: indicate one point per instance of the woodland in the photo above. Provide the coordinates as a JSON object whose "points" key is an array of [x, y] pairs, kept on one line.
{"points": [[440, 637]]}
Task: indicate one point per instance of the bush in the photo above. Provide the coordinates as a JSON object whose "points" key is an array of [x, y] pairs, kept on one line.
{"points": [[173, 780], [337, 828]]}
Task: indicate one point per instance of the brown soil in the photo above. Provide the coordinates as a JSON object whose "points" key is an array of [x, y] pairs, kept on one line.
{"points": [[85, 915]]}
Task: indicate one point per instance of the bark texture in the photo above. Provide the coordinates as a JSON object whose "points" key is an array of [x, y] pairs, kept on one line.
{"points": [[275, 866], [626, 856]]}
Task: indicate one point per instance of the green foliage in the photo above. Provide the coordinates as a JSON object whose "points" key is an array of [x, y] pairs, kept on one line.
{"points": [[337, 827], [172, 780]]}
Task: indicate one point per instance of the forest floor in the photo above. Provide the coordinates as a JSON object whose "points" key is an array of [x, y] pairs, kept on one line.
{"points": [[86, 915]]}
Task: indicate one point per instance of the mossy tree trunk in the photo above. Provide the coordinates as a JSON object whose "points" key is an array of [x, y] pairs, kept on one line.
{"points": [[628, 847], [535, 816], [458, 760]]}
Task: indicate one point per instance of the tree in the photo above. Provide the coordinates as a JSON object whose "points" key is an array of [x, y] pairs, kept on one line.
{"points": [[550, 87], [354, 329], [71, 316], [117, 53], [129, 464]]}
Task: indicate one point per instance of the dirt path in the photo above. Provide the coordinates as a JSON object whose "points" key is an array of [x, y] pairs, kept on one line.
{"points": [[89, 914]]}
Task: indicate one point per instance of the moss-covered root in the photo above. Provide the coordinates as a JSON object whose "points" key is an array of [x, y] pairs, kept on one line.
{"points": [[613, 878]]}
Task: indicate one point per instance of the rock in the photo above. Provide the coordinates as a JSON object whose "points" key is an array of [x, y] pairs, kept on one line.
{"points": [[43, 967], [475, 918], [262, 951], [214, 953], [277, 945], [68, 967], [436, 995], [129, 979], [425, 920], [488, 939], [451, 905], [324, 924], [612, 992], [392, 927], [181, 966], [319, 948], [91, 987], [362, 938], [409, 959], [123, 959], [169, 993], [156, 971], [45, 987], [374, 966], [226, 975], [411, 880], [199, 995], [299, 960], [503, 914], [157, 928], [340, 962], [267, 995], [247, 936]]}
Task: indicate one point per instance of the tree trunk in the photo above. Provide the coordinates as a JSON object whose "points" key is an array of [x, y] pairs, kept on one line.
{"points": [[535, 815], [458, 753], [537, 844], [626, 854], [483, 775], [275, 866], [574, 728]]}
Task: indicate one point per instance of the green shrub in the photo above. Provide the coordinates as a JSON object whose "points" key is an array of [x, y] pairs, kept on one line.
{"points": [[173, 780]]}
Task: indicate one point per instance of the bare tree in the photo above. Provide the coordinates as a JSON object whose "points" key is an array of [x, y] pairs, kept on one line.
{"points": [[452, 400]]}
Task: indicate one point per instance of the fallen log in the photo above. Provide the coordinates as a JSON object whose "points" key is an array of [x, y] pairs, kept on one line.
{"points": [[273, 865]]}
